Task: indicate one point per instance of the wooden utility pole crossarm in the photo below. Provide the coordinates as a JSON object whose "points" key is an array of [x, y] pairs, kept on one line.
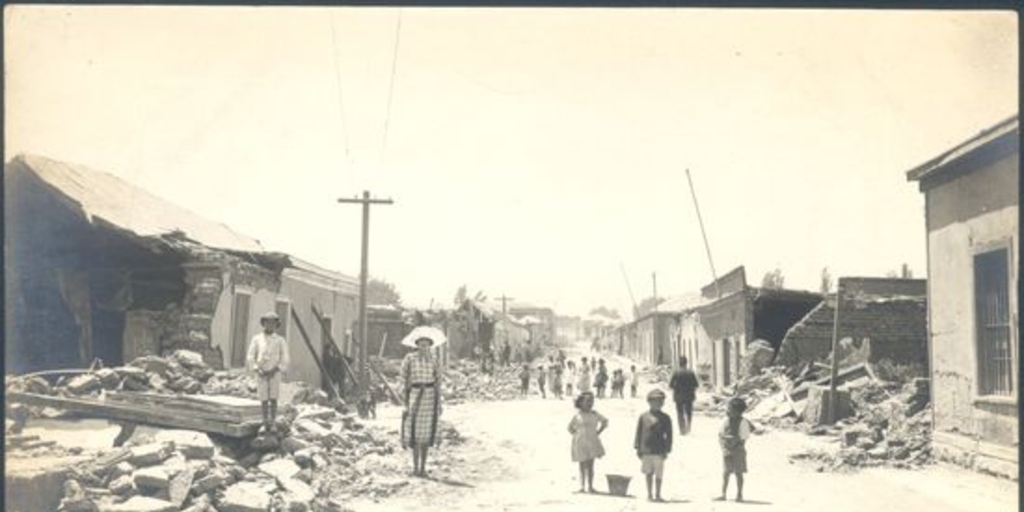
{"points": [[366, 201]]}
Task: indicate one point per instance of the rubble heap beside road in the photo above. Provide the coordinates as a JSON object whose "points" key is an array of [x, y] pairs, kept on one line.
{"points": [[881, 423], [320, 457]]}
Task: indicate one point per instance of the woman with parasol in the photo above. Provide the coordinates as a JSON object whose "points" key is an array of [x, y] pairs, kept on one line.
{"points": [[421, 378]]}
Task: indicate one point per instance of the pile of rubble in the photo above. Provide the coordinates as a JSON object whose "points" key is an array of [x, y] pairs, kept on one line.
{"points": [[183, 372], [660, 374], [465, 381], [891, 426], [318, 458], [882, 423]]}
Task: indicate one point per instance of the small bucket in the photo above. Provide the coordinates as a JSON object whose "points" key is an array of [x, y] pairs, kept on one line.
{"points": [[618, 484]]}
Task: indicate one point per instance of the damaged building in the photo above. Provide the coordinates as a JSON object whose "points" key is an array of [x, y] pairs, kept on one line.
{"points": [[971, 209], [888, 315], [715, 334], [100, 269]]}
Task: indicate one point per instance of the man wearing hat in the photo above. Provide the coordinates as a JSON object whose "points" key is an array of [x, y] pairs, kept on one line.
{"points": [[268, 357]]}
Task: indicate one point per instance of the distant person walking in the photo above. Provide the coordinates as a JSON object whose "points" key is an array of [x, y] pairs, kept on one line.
{"points": [[634, 380], [584, 380], [570, 377], [684, 391], [506, 354], [268, 358], [601, 378], [541, 378], [555, 378], [421, 376], [524, 380]]}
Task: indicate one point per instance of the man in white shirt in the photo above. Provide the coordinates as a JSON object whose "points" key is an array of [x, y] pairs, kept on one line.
{"points": [[268, 357]]}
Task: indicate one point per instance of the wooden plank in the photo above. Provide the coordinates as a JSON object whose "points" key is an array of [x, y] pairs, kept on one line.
{"points": [[323, 371], [226, 410], [161, 417]]}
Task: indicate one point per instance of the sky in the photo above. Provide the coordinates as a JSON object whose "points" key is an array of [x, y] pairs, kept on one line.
{"points": [[536, 153]]}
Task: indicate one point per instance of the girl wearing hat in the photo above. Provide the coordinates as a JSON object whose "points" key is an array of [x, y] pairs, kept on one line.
{"points": [[422, 385], [268, 357]]}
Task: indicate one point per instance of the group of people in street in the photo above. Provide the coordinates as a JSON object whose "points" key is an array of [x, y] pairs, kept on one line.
{"points": [[653, 437], [268, 358], [562, 376]]}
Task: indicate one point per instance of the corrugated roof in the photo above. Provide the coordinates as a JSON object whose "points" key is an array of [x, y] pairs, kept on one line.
{"points": [[986, 136], [104, 196], [682, 303], [342, 279]]}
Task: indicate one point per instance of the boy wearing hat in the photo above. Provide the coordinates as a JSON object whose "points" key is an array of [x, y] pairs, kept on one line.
{"points": [[733, 439], [268, 357], [653, 442]]}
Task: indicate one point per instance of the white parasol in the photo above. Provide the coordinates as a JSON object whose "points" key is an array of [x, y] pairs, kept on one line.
{"points": [[432, 333]]}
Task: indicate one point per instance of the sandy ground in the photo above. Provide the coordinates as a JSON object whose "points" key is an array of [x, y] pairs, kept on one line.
{"points": [[517, 458]]}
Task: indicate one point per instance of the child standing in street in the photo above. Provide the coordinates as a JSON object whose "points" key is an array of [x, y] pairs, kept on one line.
{"points": [[618, 383], [634, 380], [601, 378], [556, 380], [653, 442], [570, 377], [541, 378], [524, 380], [586, 427], [733, 438]]}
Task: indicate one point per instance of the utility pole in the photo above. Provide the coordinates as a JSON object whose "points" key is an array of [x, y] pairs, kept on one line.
{"points": [[504, 317], [630, 289], [654, 278], [364, 361], [832, 398], [707, 247]]}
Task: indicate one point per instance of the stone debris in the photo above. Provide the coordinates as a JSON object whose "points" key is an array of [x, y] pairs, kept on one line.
{"points": [[150, 454], [153, 478], [244, 497], [191, 444], [890, 426], [141, 504], [464, 381]]}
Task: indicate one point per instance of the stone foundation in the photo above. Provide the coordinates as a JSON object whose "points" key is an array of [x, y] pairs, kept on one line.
{"points": [[976, 456]]}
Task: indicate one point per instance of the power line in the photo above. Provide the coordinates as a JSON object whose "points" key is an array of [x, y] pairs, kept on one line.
{"points": [[337, 81], [391, 87]]}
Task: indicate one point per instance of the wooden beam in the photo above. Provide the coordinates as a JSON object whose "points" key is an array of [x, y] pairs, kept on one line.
{"points": [[330, 338], [302, 331], [155, 416]]}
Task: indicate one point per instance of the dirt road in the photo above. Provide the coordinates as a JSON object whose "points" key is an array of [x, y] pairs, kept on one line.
{"points": [[516, 458]]}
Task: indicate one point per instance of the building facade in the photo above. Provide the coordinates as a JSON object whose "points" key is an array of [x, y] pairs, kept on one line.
{"points": [[100, 269], [971, 209]]}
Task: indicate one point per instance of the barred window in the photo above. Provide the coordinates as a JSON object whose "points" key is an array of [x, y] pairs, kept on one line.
{"points": [[992, 317]]}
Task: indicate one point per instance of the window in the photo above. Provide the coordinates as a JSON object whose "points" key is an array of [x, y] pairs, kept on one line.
{"points": [[240, 328], [283, 308], [992, 317]]}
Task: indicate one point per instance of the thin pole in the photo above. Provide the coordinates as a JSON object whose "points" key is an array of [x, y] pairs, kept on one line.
{"points": [[707, 247], [654, 319], [654, 278], [363, 277], [364, 360], [629, 288], [835, 360]]}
